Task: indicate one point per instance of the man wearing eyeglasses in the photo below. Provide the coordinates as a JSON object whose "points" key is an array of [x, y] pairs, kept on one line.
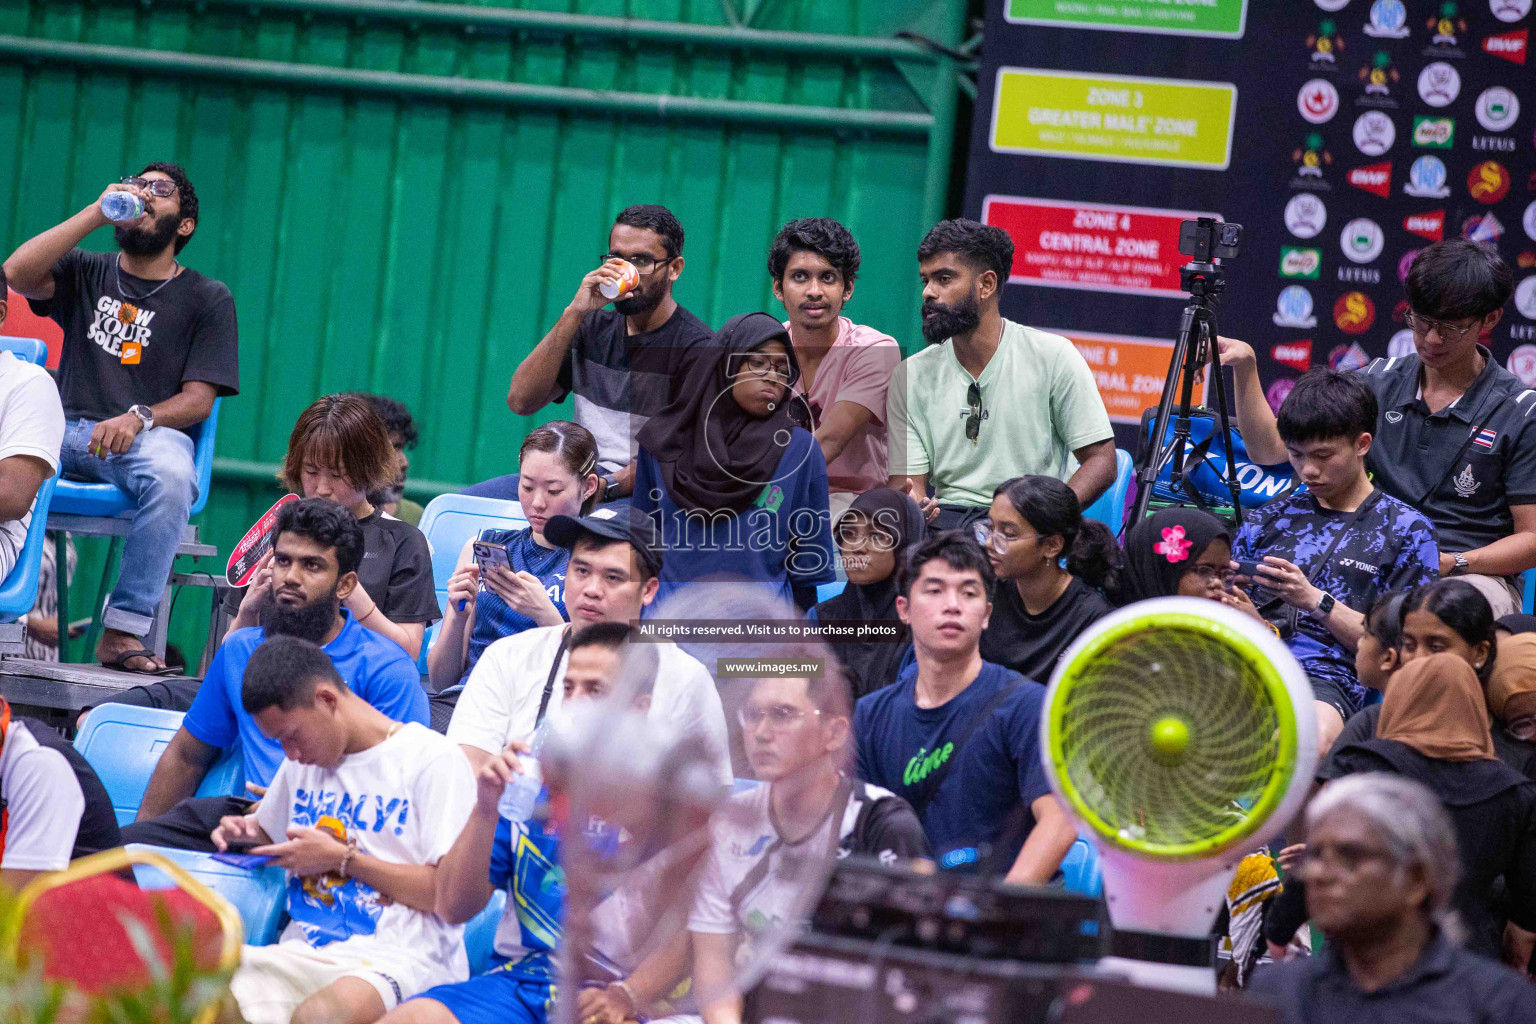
{"points": [[989, 399], [148, 345], [1456, 436], [623, 364], [797, 736]]}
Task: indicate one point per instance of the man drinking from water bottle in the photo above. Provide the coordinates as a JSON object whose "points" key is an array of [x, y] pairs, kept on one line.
{"points": [[148, 345]]}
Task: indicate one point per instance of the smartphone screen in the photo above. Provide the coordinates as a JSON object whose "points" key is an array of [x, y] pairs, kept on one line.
{"points": [[1249, 569]]}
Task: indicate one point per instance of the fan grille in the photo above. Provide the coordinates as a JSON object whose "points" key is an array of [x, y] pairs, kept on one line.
{"points": [[1111, 716]]}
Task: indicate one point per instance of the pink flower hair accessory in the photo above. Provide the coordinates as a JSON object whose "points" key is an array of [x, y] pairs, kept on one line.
{"points": [[1173, 546]]}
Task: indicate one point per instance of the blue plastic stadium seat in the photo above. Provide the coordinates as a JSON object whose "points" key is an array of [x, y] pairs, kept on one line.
{"points": [[79, 498], [452, 519], [827, 591], [18, 594], [1528, 603], [1109, 509], [480, 933], [123, 743], [258, 894], [33, 350], [1081, 868]]}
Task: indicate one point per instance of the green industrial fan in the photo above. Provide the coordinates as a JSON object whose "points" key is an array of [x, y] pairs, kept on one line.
{"points": [[1181, 735]]}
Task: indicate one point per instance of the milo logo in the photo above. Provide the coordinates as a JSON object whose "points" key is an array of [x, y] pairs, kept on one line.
{"points": [[1303, 263], [1433, 132], [924, 764]]}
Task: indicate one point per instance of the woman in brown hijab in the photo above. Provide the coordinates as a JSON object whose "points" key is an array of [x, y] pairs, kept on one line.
{"points": [[1512, 701], [1435, 729]]}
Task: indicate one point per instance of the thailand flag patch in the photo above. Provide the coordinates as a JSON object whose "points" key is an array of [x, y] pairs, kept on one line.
{"points": [[1485, 439]]}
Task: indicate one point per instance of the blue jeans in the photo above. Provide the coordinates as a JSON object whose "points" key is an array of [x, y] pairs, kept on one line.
{"points": [[157, 473]]}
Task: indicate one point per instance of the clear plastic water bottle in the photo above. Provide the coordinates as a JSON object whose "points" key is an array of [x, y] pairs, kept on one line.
{"points": [[121, 206], [522, 792]]}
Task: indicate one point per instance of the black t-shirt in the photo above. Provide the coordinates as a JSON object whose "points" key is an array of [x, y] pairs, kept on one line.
{"points": [[621, 380], [397, 569], [124, 346], [1031, 644]]}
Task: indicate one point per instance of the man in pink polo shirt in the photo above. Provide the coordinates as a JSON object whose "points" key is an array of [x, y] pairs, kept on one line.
{"points": [[845, 368]]}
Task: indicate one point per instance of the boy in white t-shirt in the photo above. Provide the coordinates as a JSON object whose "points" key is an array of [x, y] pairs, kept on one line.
{"points": [[368, 806], [31, 431]]}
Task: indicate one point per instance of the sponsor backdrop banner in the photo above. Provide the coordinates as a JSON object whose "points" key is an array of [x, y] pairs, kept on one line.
{"points": [[1344, 135]]}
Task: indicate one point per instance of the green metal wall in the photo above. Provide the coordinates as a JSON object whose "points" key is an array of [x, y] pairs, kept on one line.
{"points": [[403, 195]]}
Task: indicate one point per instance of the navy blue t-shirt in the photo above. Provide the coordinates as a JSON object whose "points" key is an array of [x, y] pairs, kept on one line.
{"points": [[983, 805], [494, 618]]}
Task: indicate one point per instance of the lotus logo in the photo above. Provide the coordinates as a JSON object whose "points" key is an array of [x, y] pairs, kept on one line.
{"points": [[1426, 179], [1318, 101], [1362, 240], [1374, 133], [1305, 215], [1354, 312], [1497, 108], [1488, 182], [1294, 308], [1389, 20], [1439, 84], [1529, 221], [1400, 345]]}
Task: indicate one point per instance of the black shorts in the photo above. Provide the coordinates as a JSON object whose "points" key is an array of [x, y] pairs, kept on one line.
{"points": [[1332, 694]]}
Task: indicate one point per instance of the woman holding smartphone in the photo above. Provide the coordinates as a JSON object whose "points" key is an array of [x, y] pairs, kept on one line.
{"points": [[511, 580]]}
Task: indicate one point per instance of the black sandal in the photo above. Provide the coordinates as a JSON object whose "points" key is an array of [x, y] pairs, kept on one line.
{"points": [[120, 663]]}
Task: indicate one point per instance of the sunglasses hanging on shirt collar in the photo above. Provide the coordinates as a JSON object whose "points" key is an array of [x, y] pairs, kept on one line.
{"points": [[976, 414]]}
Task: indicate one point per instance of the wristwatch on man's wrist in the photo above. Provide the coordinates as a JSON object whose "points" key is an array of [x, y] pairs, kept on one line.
{"points": [[1324, 606], [145, 414], [610, 490], [1461, 568]]}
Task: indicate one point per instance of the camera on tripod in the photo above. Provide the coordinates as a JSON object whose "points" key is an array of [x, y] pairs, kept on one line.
{"points": [[1168, 446], [1206, 238]]}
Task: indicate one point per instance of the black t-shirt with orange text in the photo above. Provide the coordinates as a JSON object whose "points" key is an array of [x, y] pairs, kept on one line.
{"points": [[124, 346]]}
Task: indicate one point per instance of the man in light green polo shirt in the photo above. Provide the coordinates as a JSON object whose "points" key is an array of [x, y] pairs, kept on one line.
{"points": [[988, 399]]}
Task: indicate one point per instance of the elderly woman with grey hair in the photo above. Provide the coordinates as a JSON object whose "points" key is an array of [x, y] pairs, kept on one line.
{"points": [[1381, 867]]}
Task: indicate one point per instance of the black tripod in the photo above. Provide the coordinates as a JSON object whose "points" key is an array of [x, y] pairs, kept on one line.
{"points": [[1195, 346]]}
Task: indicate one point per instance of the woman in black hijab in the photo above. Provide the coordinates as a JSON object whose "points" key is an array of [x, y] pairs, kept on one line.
{"points": [[874, 534], [1178, 552], [736, 483]]}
